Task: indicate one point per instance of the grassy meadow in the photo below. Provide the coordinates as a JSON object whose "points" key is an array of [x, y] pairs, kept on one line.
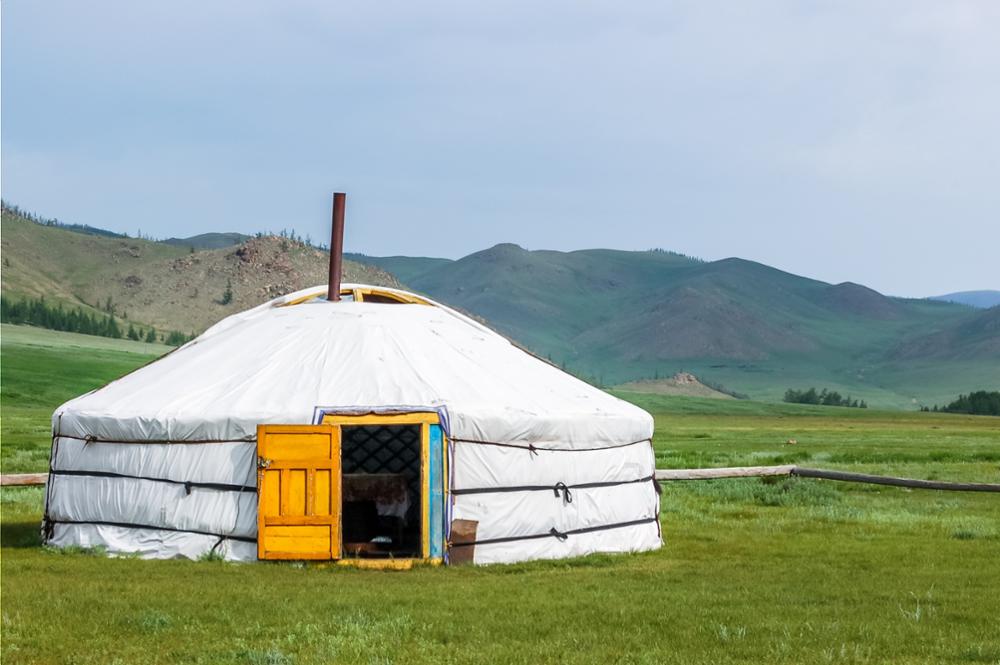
{"points": [[767, 571], [39, 370]]}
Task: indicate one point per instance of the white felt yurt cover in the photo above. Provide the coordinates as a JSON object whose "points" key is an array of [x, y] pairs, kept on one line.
{"points": [[124, 478]]}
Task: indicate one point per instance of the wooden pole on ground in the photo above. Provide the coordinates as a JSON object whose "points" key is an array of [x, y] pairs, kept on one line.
{"points": [[727, 472], [792, 470], [895, 482], [23, 479]]}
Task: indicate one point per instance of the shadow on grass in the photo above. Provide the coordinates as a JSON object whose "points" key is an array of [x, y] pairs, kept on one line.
{"points": [[21, 534], [21, 508]]}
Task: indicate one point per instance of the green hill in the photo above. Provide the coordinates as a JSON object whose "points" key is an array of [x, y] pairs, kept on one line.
{"points": [[406, 268], [972, 338], [611, 316], [164, 285], [617, 316], [209, 240]]}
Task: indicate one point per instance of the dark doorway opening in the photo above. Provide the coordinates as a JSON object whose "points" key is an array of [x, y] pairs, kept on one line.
{"points": [[381, 490]]}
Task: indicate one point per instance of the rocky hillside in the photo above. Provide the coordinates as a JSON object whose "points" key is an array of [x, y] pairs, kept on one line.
{"points": [[167, 286], [682, 383]]}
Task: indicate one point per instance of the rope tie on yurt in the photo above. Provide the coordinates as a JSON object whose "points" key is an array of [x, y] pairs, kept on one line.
{"points": [[566, 496], [561, 536], [215, 547], [657, 486]]}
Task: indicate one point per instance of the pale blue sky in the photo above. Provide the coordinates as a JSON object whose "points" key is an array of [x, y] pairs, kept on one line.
{"points": [[839, 140]]}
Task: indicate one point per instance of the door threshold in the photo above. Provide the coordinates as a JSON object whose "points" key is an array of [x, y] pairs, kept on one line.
{"points": [[388, 564]]}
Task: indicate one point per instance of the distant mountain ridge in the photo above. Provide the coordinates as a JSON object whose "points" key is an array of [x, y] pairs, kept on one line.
{"points": [[611, 316], [973, 338], [209, 240], [85, 229], [981, 299], [618, 316], [406, 268]]}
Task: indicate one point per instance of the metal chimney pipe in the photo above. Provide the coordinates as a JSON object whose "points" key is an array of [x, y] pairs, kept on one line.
{"points": [[336, 247]]}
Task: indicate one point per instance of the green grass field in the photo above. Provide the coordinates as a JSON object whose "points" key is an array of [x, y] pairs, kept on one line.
{"points": [[40, 370], [781, 571]]}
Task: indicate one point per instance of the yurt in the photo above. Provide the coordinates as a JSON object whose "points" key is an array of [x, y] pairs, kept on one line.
{"points": [[380, 428]]}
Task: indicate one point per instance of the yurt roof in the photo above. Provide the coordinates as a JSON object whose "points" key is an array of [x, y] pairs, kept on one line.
{"points": [[295, 357]]}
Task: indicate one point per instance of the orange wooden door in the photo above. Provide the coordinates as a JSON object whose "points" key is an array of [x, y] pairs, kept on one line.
{"points": [[298, 481]]}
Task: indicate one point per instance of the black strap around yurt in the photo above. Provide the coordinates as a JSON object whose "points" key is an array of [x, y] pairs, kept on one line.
{"points": [[133, 525], [187, 484], [533, 449], [559, 489], [555, 533], [90, 438]]}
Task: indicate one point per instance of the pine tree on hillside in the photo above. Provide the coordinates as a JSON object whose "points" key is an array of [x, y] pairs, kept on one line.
{"points": [[37, 312]]}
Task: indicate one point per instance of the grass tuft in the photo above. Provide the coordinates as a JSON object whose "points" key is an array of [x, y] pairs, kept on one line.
{"points": [[151, 621], [77, 550], [730, 633], [212, 556], [264, 657]]}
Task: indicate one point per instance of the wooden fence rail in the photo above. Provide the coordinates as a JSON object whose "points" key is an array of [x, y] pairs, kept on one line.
{"points": [[726, 472], [708, 474], [24, 479]]}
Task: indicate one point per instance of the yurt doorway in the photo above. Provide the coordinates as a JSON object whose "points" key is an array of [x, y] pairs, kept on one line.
{"points": [[356, 487]]}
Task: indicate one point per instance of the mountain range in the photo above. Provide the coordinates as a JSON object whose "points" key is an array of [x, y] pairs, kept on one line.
{"points": [[613, 317], [979, 299], [619, 316]]}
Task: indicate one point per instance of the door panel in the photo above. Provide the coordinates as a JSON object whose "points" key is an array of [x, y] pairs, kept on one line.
{"points": [[269, 501], [298, 476], [322, 496]]}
